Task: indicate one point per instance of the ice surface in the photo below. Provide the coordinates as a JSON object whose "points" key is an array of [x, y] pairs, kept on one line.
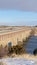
{"points": [[17, 61]]}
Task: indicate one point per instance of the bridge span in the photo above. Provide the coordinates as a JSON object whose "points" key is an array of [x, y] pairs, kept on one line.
{"points": [[14, 35]]}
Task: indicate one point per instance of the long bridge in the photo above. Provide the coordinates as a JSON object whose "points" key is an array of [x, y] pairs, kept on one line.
{"points": [[14, 34]]}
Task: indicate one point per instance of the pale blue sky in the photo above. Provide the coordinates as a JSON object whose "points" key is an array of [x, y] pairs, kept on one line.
{"points": [[18, 12], [16, 17]]}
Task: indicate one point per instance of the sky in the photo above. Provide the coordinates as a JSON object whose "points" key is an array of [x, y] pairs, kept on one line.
{"points": [[18, 12]]}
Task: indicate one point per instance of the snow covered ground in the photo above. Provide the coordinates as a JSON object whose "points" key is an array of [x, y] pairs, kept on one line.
{"points": [[17, 61]]}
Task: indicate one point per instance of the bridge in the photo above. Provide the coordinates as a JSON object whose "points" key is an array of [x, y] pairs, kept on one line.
{"points": [[14, 34]]}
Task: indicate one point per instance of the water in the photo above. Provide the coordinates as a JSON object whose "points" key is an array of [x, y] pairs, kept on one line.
{"points": [[31, 44]]}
